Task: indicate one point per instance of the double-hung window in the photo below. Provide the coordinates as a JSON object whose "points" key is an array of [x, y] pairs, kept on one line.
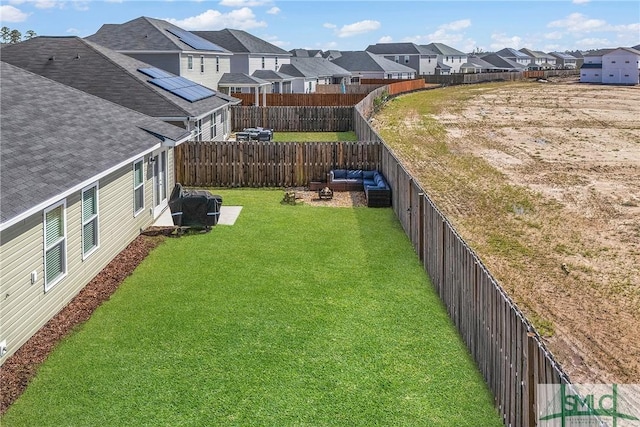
{"points": [[190, 62], [89, 220], [202, 64], [217, 64], [138, 187], [55, 245]]}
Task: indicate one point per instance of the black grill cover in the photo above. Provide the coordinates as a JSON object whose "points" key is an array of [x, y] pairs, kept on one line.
{"points": [[194, 208]]}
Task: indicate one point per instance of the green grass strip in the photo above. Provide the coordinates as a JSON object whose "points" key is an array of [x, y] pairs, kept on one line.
{"points": [[296, 315]]}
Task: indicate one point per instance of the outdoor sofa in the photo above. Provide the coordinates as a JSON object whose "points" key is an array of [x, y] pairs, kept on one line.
{"points": [[375, 186]]}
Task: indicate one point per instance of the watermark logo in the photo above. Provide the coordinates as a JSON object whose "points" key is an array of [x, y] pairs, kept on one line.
{"points": [[573, 405]]}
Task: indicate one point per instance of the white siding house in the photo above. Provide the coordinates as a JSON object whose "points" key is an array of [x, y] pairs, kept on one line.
{"points": [[621, 66]]}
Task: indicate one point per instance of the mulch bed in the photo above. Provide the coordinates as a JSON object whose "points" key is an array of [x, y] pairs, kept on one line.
{"points": [[21, 367]]}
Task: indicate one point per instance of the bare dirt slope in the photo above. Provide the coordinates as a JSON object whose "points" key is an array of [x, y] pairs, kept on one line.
{"points": [[565, 159]]}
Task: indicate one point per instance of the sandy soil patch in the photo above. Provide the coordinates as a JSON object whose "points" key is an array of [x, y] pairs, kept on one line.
{"points": [[577, 147]]}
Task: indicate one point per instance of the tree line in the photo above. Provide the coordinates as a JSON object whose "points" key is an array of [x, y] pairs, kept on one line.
{"points": [[7, 35]]}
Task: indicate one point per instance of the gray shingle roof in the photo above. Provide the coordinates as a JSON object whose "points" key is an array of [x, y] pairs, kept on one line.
{"points": [[508, 52], [563, 56], [399, 49], [478, 62], [55, 138], [502, 63], [147, 34], [443, 49], [105, 73], [313, 68], [240, 79], [272, 76], [239, 41], [355, 61]]}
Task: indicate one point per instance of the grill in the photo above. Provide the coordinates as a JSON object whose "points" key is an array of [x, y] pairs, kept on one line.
{"points": [[194, 208]]}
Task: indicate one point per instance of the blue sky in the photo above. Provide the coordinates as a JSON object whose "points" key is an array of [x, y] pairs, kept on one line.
{"points": [[353, 25]]}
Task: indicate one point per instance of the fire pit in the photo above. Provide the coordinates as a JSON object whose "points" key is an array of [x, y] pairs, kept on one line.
{"points": [[325, 193]]}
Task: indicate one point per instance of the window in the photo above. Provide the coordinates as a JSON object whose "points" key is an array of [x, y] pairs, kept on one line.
{"points": [[214, 130], [626, 62], [55, 245], [263, 62], [201, 64], [198, 131], [89, 220], [138, 187], [276, 63], [217, 64], [235, 90], [406, 59], [613, 62], [396, 58], [190, 62]]}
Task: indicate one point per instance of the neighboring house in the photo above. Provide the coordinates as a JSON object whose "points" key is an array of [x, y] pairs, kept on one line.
{"points": [[476, 64], [81, 177], [167, 47], [540, 60], [366, 65], [591, 69], [515, 56], [621, 66], [579, 57], [448, 56], [331, 54], [118, 78], [251, 54], [502, 64], [565, 61], [243, 83], [310, 72], [421, 59]]}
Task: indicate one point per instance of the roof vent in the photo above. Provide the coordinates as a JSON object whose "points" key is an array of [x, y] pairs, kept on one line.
{"points": [[52, 58], [77, 56]]}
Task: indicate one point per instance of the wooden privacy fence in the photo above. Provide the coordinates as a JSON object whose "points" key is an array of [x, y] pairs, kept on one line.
{"points": [[469, 78], [301, 99], [293, 119], [268, 164], [505, 346], [362, 89]]}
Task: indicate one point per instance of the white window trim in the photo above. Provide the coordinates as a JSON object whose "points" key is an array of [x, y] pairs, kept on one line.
{"points": [[189, 62], [95, 217], [133, 171], [63, 239]]}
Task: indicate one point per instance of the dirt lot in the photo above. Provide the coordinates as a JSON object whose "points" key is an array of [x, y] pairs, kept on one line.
{"points": [[570, 156]]}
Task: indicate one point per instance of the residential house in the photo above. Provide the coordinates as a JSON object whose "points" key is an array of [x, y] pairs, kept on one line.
{"points": [[421, 59], [502, 64], [515, 56], [126, 81], [366, 65], [540, 60], [167, 47], [306, 53], [447, 56], [475, 64], [251, 54], [565, 61], [310, 72], [591, 69], [81, 176], [621, 66]]}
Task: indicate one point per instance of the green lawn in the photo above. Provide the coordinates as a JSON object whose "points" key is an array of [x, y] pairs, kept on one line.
{"points": [[296, 315], [314, 136]]}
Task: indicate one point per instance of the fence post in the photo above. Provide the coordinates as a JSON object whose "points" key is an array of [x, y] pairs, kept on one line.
{"points": [[530, 408]]}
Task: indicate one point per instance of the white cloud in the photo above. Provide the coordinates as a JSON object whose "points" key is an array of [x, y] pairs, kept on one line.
{"points": [[242, 19], [578, 23], [456, 25], [73, 31], [273, 11], [592, 43], [244, 3], [554, 35], [501, 40], [356, 28], [385, 39], [329, 25], [12, 14], [81, 5], [48, 4], [581, 1]]}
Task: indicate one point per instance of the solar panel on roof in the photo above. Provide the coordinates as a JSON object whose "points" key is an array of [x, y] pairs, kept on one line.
{"points": [[194, 41], [155, 72], [183, 88]]}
